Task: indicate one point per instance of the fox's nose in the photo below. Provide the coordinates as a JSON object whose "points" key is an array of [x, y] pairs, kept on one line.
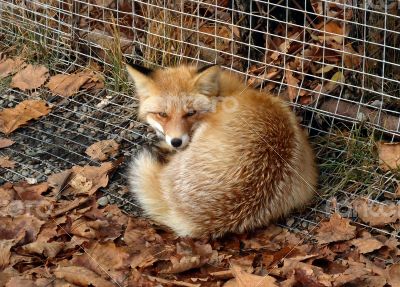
{"points": [[176, 142]]}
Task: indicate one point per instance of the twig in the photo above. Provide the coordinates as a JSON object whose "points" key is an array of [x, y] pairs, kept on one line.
{"points": [[386, 121]]}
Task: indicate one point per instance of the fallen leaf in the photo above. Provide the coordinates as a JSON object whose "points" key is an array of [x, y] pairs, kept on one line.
{"points": [[5, 246], [69, 84], [292, 83], [63, 206], [393, 275], [306, 279], [106, 259], [5, 162], [102, 150], [19, 281], [5, 142], [105, 229], [366, 245], [244, 279], [389, 155], [189, 255], [11, 228], [336, 229], [81, 276], [27, 191], [352, 273], [171, 282], [376, 214], [325, 69], [31, 77], [13, 118], [6, 274], [47, 249], [139, 233], [10, 66], [138, 279], [351, 58], [330, 31], [81, 180]]}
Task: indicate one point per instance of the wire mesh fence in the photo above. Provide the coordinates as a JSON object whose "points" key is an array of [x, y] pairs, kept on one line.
{"points": [[335, 62]]}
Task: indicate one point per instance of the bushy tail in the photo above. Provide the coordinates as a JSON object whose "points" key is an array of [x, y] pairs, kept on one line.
{"points": [[145, 184]]}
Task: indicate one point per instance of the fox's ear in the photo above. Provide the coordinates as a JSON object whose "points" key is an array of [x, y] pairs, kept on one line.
{"points": [[144, 84], [207, 80]]}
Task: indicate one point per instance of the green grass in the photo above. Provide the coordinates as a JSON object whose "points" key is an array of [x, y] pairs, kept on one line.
{"points": [[348, 162]]}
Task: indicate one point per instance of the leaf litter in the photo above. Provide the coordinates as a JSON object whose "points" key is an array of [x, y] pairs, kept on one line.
{"points": [[6, 162], [10, 66], [12, 118], [389, 156], [4, 142], [67, 85], [73, 240], [103, 150], [31, 77]]}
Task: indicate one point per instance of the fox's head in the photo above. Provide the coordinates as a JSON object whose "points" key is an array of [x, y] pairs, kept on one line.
{"points": [[175, 100]]}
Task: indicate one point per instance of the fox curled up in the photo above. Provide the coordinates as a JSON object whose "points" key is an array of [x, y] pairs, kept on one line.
{"points": [[241, 159]]}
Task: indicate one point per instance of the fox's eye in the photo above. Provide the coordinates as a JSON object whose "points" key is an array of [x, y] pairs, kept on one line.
{"points": [[190, 113], [163, 114]]}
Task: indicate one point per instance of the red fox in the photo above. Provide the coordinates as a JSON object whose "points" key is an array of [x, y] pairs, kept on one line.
{"points": [[241, 159]]}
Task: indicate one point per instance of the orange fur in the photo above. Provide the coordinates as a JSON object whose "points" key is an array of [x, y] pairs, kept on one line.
{"points": [[248, 162]]}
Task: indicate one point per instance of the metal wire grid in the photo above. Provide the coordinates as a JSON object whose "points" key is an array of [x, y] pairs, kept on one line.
{"points": [[75, 22], [180, 39], [65, 147]]}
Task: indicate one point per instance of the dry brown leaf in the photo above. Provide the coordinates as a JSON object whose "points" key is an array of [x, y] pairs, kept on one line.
{"points": [[139, 233], [70, 84], [105, 259], [366, 245], [13, 118], [102, 228], [307, 279], [170, 282], [311, 273], [103, 150], [5, 246], [352, 273], [185, 263], [351, 58], [81, 276], [10, 66], [389, 155], [292, 83], [5, 162], [32, 77], [81, 180], [244, 279], [63, 206], [5, 142], [376, 214], [6, 274], [331, 31], [19, 281], [28, 225], [336, 229], [27, 191], [393, 275], [47, 249], [190, 255]]}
